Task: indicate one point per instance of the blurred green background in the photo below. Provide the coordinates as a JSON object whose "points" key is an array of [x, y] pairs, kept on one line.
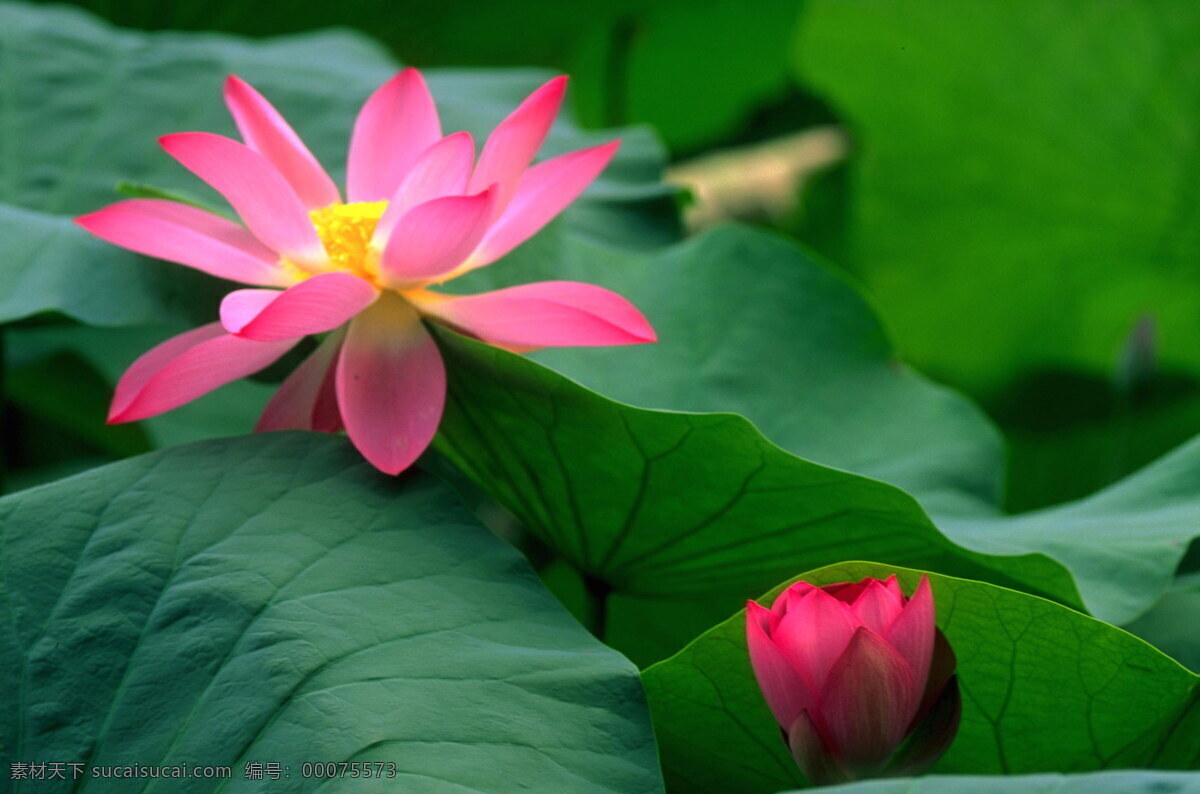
{"points": [[1013, 182]]}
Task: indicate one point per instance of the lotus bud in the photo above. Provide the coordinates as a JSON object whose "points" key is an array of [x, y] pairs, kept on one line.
{"points": [[858, 677]]}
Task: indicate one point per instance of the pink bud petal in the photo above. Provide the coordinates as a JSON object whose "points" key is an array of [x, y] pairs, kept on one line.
{"points": [[782, 686], [814, 634], [190, 236], [307, 399], [868, 702], [512, 145], [544, 314], [794, 592], [186, 367], [847, 592], [391, 384], [876, 607], [255, 189], [912, 631], [265, 131], [397, 123], [313, 306]]}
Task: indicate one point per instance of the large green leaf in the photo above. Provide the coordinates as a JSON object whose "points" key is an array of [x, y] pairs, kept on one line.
{"points": [[1044, 688], [749, 323], [1125, 782], [681, 517], [83, 104], [276, 599], [802, 355]]}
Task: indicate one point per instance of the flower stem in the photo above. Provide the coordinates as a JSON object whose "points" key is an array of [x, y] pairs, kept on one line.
{"points": [[598, 592]]}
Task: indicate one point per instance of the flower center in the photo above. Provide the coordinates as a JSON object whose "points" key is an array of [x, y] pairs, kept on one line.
{"points": [[346, 231]]}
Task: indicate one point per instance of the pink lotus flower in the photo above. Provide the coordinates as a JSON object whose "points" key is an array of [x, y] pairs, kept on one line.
{"points": [[857, 676], [420, 210]]}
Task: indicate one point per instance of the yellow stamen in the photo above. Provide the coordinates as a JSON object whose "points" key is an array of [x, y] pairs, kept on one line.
{"points": [[346, 231]]}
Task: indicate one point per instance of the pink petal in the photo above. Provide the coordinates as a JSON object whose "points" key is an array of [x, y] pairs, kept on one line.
{"points": [[257, 191], [443, 170], [876, 607], [912, 632], [814, 634], [391, 384], [545, 314], [511, 146], [266, 132], [433, 238], [326, 416], [397, 123], [868, 702], [544, 191], [307, 400], [186, 367], [187, 235], [893, 584], [315, 305], [782, 686]]}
